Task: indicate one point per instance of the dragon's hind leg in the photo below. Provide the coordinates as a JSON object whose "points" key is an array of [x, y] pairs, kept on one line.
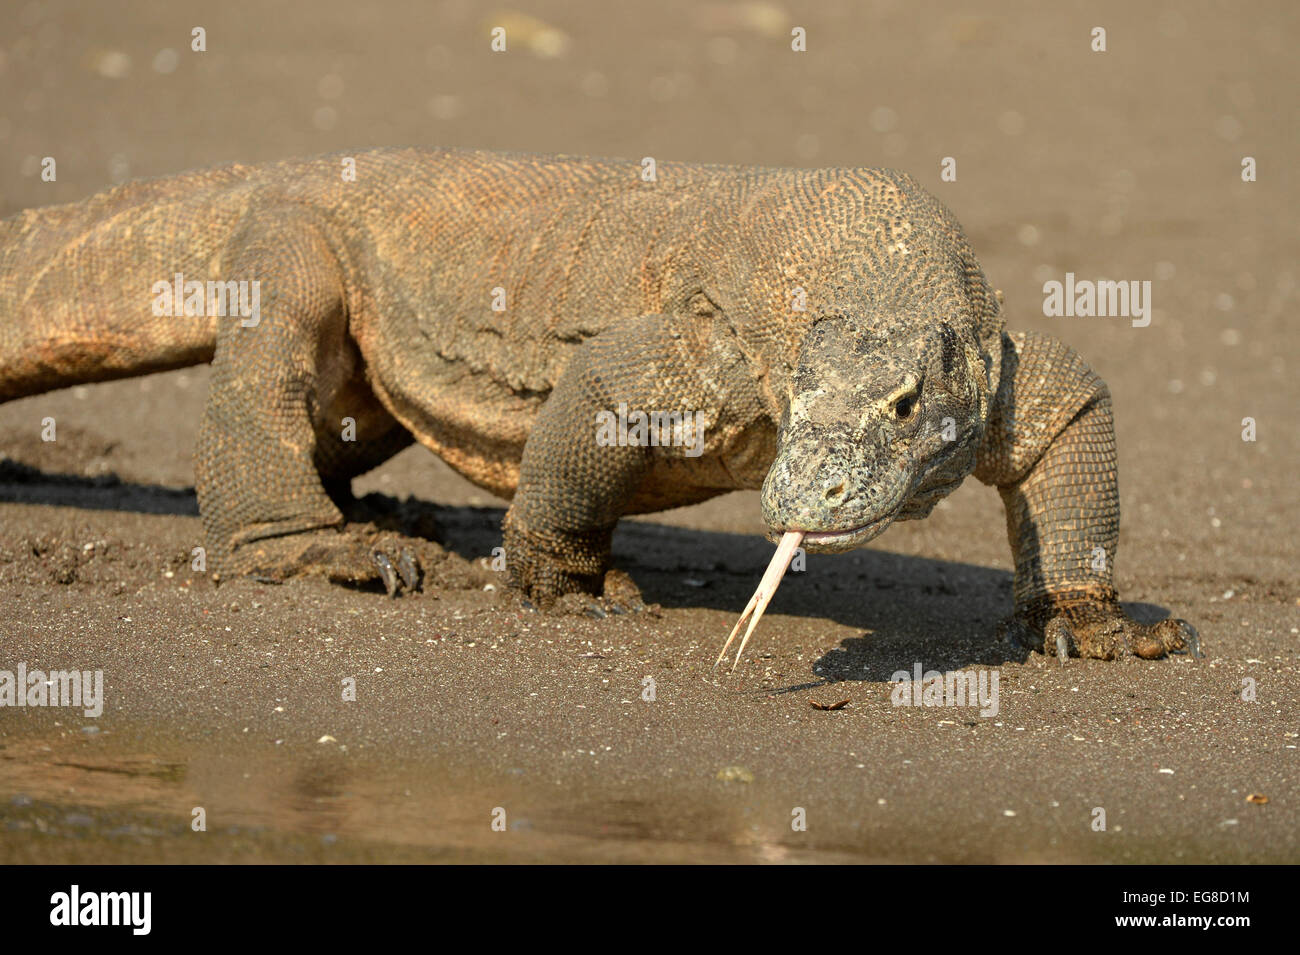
{"points": [[289, 421]]}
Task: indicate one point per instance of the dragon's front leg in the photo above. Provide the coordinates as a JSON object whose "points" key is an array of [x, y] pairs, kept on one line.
{"points": [[1050, 450]]}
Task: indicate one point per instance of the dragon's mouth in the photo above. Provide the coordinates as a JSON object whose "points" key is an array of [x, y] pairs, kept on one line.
{"points": [[834, 542], [786, 546], [837, 541], [788, 541]]}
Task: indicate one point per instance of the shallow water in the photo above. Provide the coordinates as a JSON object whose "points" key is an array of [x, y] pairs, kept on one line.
{"points": [[69, 797]]}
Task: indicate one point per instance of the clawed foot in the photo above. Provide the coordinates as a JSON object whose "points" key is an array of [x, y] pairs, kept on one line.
{"points": [[547, 568], [1098, 631], [341, 557], [618, 595], [568, 573]]}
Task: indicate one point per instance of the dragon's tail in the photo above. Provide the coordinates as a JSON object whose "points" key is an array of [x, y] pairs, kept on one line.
{"points": [[82, 285]]}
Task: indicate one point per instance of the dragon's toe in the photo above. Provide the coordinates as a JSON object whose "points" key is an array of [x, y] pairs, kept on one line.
{"points": [[399, 571], [387, 572]]}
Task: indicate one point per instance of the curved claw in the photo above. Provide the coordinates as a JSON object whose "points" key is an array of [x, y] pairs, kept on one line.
{"points": [[386, 572], [408, 570], [1193, 640], [1058, 634]]}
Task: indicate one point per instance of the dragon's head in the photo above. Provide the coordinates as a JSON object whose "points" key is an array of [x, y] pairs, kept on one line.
{"points": [[877, 427], [883, 393]]}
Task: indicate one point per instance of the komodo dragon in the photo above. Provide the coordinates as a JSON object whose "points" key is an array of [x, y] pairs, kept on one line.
{"points": [[831, 327]]}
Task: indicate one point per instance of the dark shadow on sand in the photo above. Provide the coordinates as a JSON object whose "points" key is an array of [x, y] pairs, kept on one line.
{"points": [[909, 609], [24, 484]]}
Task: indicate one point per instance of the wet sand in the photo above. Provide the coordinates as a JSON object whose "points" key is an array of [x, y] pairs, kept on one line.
{"points": [[228, 697]]}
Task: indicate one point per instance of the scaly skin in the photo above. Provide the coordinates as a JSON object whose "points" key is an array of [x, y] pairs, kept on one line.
{"points": [[833, 327]]}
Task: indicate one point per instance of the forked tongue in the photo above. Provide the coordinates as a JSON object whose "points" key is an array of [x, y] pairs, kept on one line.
{"points": [[785, 549]]}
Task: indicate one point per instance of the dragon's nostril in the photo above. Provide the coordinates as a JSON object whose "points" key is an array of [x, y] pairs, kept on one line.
{"points": [[835, 490]]}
